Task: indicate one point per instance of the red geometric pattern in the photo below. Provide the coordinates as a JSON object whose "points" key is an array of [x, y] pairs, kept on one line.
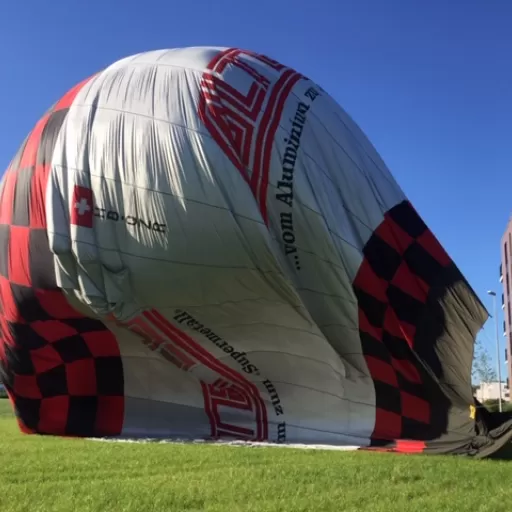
{"points": [[158, 342], [219, 398], [402, 260], [230, 390], [63, 371], [244, 124]]}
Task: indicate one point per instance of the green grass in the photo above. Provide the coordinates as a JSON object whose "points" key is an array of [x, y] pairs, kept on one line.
{"points": [[51, 474]]}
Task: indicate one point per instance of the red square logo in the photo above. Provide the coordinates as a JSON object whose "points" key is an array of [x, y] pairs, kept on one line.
{"points": [[82, 207]]}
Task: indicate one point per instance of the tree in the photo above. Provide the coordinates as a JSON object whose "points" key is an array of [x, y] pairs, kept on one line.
{"points": [[483, 370]]}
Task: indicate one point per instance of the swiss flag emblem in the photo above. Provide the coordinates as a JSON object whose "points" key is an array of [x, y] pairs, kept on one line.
{"points": [[82, 207]]}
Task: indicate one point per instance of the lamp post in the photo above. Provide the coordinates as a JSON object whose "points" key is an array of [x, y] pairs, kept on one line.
{"points": [[493, 295]]}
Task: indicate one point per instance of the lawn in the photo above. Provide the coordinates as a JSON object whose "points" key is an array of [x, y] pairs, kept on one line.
{"points": [[49, 474]]}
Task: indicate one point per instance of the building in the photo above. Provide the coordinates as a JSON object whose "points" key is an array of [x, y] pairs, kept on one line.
{"points": [[506, 296], [491, 391]]}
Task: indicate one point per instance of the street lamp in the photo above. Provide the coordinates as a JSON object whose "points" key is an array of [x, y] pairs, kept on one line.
{"points": [[493, 295]]}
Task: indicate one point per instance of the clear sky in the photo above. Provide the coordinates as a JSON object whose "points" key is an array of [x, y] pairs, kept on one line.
{"points": [[429, 82]]}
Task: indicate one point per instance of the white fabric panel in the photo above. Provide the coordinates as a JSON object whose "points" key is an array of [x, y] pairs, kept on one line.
{"points": [[177, 230]]}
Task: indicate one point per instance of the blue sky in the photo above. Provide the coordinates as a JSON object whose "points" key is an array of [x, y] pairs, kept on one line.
{"points": [[429, 82]]}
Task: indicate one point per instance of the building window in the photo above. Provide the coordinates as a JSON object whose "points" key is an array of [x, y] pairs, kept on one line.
{"points": [[506, 257]]}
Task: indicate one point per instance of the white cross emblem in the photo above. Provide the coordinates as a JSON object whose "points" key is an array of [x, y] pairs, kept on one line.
{"points": [[82, 206]]}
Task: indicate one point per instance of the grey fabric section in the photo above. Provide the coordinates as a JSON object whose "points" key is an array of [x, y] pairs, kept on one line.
{"points": [[49, 136], [21, 208], [447, 343], [162, 418]]}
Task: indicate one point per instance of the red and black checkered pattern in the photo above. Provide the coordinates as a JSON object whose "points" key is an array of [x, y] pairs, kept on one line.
{"points": [[402, 261], [62, 370]]}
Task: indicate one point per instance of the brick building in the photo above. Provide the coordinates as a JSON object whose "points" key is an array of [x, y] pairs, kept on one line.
{"points": [[506, 296]]}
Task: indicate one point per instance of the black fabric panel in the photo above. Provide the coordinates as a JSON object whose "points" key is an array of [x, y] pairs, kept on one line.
{"points": [[373, 347], [83, 325], [388, 397], [408, 219], [82, 415], [413, 388], [396, 347], [42, 268], [53, 382], [444, 343], [406, 308], [19, 360], [49, 136], [373, 308], [21, 208], [412, 429], [72, 349], [27, 338], [446, 333], [422, 263], [380, 443], [6, 374], [28, 305], [28, 409], [383, 259], [5, 231], [109, 376]]}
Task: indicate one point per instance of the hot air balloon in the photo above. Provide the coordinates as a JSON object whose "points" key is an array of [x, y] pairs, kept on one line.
{"points": [[200, 243]]}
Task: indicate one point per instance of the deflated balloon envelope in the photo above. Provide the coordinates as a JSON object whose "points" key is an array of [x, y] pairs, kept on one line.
{"points": [[201, 243]]}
